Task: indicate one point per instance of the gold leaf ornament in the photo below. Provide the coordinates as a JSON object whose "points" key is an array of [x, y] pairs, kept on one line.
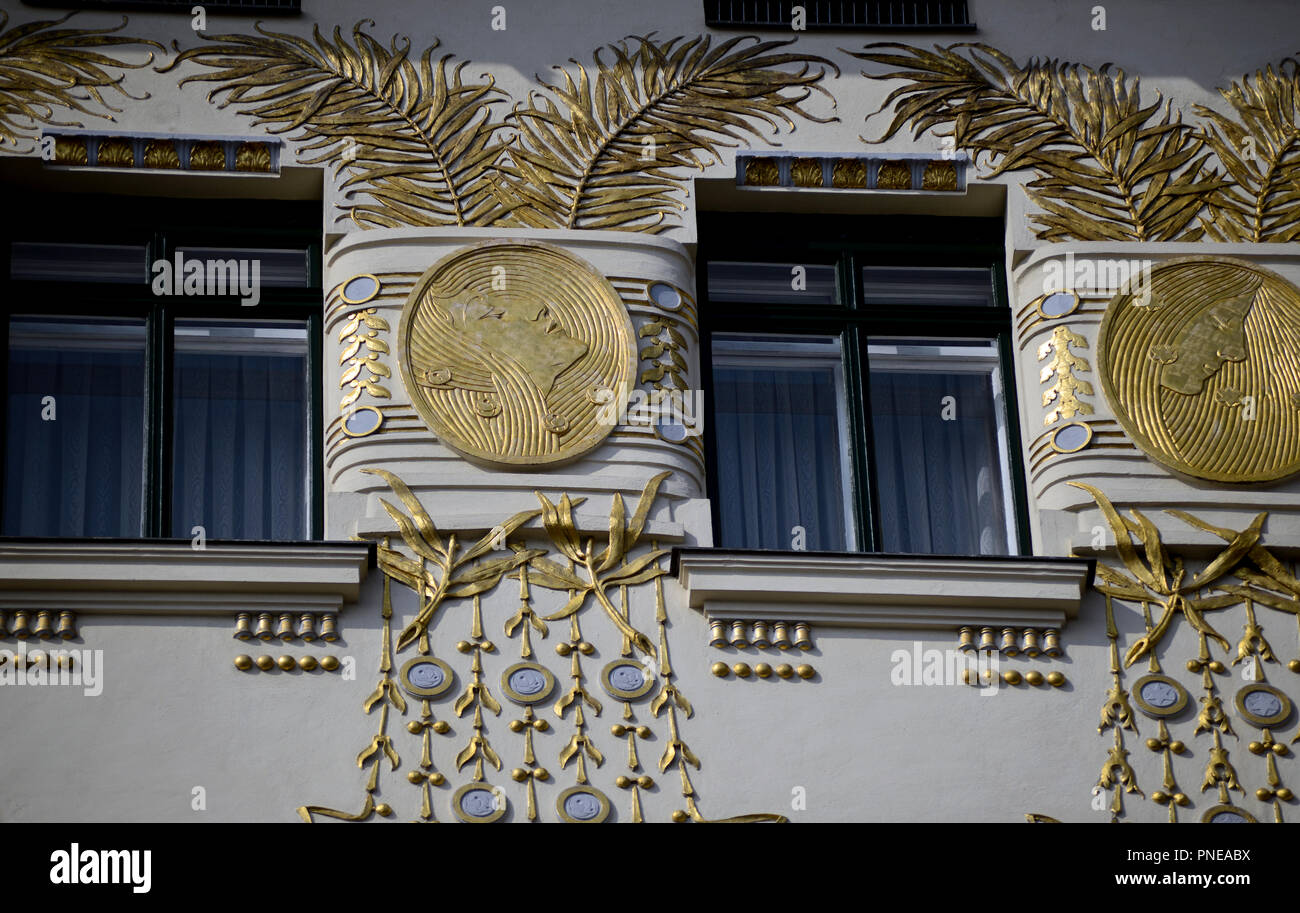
{"points": [[1106, 167], [1259, 146], [409, 133], [598, 148], [459, 577], [1158, 579], [44, 68]]}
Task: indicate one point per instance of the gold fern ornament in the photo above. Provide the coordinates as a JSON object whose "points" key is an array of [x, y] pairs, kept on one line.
{"points": [[600, 148], [459, 574], [1106, 167], [409, 134], [43, 68], [1260, 148]]}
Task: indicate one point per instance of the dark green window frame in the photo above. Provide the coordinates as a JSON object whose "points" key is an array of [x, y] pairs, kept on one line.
{"points": [[848, 244], [163, 225]]}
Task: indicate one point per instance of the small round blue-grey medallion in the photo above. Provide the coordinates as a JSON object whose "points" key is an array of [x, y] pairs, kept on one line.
{"points": [[360, 289], [528, 681]]}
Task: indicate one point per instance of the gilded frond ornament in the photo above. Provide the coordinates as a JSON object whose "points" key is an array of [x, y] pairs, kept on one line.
{"points": [[363, 352], [617, 567], [598, 149], [603, 569], [1117, 770], [409, 133], [1152, 576], [1064, 364], [1107, 168], [43, 68], [1268, 582], [458, 575], [1259, 147]]}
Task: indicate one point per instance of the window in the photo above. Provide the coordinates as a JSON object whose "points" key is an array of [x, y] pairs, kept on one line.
{"points": [[160, 379], [860, 392]]}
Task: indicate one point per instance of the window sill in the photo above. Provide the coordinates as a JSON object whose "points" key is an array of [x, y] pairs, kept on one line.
{"points": [[170, 577], [882, 591]]}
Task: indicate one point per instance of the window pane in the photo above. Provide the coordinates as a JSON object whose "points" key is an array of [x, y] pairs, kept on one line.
{"points": [[779, 425], [78, 262], [772, 283], [907, 285], [240, 434], [276, 268], [942, 467], [74, 443]]}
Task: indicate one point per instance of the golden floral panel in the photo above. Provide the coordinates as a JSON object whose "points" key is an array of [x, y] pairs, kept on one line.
{"points": [[1201, 364], [509, 348]]}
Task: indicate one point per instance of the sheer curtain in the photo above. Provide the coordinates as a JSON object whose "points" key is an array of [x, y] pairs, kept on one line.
{"points": [[240, 433], [74, 436], [941, 470], [779, 417]]}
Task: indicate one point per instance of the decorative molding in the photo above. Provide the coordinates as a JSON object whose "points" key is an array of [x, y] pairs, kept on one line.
{"points": [[913, 172], [306, 626], [760, 635], [38, 623], [147, 577], [305, 663], [99, 150], [871, 591]]}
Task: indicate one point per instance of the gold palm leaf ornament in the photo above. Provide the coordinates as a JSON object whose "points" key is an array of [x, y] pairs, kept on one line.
{"points": [[43, 68], [602, 568], [457, 575], [1106, 167], [411, 135], [1260, 149], [598, 149]]}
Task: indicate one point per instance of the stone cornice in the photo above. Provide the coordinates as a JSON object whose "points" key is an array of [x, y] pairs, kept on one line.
{"points": [[882, 591], [171, 577]]}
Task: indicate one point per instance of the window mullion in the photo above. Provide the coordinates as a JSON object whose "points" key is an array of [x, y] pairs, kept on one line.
{"points": [[158, 489], [1019, 501], [316, 422], [856, 389], [855, 370]]}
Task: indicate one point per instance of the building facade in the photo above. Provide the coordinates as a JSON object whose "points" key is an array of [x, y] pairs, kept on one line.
{"points": [[863, 411]]}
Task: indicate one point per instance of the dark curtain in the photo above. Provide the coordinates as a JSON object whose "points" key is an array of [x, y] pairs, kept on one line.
{"points": [[81, 473], [240, 444], [939, 481], [778, 443]]}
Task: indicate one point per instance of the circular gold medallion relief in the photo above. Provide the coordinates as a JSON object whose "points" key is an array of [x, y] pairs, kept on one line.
{"points": [[1200, 360], [509, 349]]}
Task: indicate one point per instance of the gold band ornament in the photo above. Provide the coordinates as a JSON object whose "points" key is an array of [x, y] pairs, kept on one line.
{"points": [[1200, 360], [505, 347]]}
